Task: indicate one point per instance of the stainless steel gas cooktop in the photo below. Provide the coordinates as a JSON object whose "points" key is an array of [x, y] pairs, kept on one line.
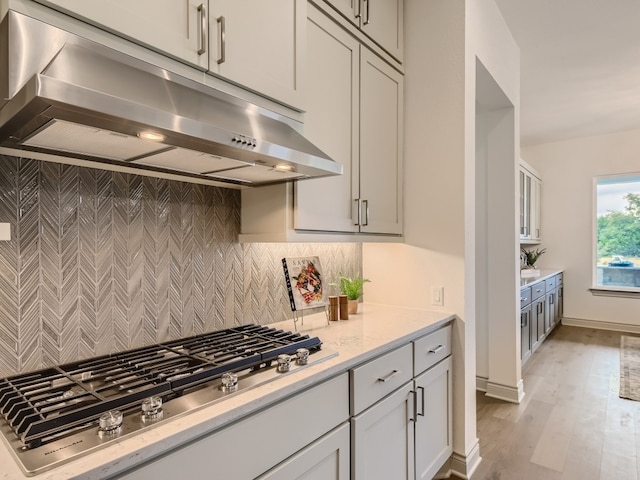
{"points": [[54, 415]]}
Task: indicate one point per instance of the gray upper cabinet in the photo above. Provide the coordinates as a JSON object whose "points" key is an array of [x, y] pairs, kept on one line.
{"points": [[259, 45], [254, 44], [380, 20], [167, 26], [355, 116]]}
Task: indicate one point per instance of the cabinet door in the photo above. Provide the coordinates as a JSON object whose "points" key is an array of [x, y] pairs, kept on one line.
{"points": [[525, 205], [326, 459], [537, 322], [434, 421], [381, 134], [560, 303], [382, 439], [536, 196], [349, 8], [551, 310], [332, 88], [525, 333], [383, 21], [259, 45], [165, 25]]}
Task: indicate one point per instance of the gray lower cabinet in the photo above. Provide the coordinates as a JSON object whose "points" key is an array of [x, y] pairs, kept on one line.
{"points": [[434, 419], [406, 434], [383, 443], [541, 309], [325, 459], [525, 333], [538, 315]]}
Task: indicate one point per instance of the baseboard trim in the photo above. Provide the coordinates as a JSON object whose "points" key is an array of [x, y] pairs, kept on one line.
{"points": [[463, 466], [506, 392], [481, 384], [598, 325]]}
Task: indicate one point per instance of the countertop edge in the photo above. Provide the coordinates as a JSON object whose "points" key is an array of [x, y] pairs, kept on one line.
{"points": [[144, 446], [544, 275]]}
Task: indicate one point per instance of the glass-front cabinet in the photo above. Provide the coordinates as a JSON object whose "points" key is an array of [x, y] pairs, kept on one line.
{"points": [[530, 196]]}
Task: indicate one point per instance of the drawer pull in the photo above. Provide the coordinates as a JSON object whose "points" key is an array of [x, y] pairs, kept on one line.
{"points": [[389, 376], [436, 349]]}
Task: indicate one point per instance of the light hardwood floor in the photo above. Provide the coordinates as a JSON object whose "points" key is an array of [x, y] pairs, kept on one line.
{"points": [[571, 424]]}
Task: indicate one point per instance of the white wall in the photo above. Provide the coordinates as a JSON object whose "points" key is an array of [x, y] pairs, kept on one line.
{"points": [[442, 39], [568, 169]]}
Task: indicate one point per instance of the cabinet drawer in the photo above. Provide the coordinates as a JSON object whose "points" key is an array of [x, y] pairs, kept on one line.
{"points": [[430, 349], [559, 279], [551, 283], [525, 296], [375, 379], [538, 290]]}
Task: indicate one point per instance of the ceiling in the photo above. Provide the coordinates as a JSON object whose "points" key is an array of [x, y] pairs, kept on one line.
{"points": [[580, 66]]}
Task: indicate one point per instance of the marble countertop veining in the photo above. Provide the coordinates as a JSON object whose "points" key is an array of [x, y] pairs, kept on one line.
{"points": [[373, 331]]}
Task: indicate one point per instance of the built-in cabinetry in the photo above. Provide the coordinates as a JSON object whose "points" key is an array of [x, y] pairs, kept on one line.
{"points": [[530, 198], [402, 411], [355, 105], [381, 20], [553, 301], [325, 459], [255, 44], [540, 311], [306, 431]]}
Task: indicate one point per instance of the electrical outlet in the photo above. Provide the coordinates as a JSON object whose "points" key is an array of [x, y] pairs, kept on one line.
{"points": [[437, 296]]}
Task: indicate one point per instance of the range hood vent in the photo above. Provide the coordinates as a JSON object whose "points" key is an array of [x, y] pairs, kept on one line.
{"points": [[75, 99]]}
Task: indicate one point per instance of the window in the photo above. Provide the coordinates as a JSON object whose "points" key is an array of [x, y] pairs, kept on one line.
{"points": [[617, 251]]}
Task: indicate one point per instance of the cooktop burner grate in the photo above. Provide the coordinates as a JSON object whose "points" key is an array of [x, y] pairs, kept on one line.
{"points": [[46, 403]]}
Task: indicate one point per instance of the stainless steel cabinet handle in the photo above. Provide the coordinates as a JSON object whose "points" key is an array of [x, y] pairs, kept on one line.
{"points": [[367, 7], [389, 376], [357, 9], [223, 46], [413, 410], [421, 413], [358, 213], [436, 349], [202, 12], [366, 212]]}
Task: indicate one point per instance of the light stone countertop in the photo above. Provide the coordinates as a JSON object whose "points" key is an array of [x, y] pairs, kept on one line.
{"points": [[544, 274], [374, 330]]}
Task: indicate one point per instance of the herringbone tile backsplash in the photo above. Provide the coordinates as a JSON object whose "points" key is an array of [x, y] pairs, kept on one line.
{"points": [[101, 262]]}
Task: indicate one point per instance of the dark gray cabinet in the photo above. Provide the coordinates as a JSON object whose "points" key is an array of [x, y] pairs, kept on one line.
{"points": [[541, 309], [525, 333]]}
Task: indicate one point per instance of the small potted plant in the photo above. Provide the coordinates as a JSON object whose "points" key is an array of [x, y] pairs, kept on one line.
{"points": [[528, 262], [352, 288]]}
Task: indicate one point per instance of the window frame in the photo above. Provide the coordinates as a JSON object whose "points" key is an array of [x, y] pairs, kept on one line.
{"points": [[606, 290]]}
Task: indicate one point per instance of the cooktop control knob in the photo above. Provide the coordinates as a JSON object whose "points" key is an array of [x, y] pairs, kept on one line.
{"points": [[284, 363], [110, 422], [302, 356], [151, 407], [229, 382]]}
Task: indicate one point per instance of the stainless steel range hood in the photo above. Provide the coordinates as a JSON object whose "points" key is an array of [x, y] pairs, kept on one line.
{"points": [[76, 99]]}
